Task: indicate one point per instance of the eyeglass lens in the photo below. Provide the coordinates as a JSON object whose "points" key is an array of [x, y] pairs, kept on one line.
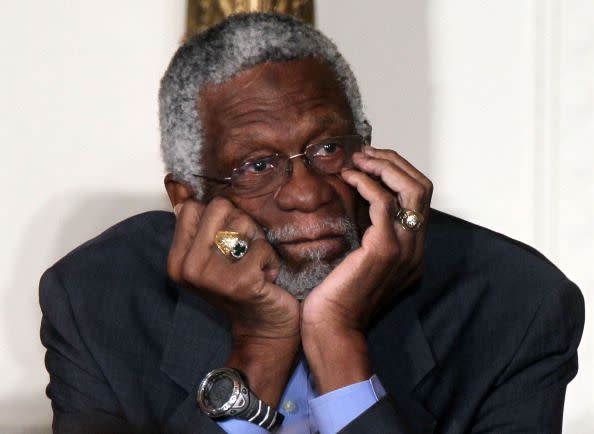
{"points": [[264, 175]]}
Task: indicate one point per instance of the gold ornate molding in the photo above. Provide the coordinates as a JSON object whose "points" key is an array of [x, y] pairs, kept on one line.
{"points": [[202, 14]]}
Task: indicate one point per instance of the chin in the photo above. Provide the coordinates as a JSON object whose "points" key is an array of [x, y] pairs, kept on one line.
{"points": [[301, 279], [305, 263], [300, 282]]}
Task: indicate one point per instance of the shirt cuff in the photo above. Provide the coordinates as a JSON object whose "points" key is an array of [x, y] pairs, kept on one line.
{"points": [[335, 410], [238, 426]]}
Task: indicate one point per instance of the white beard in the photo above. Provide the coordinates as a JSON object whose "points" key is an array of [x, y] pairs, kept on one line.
{"points": [[301, 282]]}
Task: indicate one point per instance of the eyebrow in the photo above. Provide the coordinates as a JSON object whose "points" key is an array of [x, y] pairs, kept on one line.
{"points": [[331, 119]]}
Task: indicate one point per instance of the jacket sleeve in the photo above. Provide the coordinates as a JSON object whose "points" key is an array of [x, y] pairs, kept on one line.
{"points": [[528, 396], [81, 398], [383, 417]]}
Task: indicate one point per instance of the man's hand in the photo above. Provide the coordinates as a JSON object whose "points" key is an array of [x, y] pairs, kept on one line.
{"points": [[336, 313], [264, 317]]}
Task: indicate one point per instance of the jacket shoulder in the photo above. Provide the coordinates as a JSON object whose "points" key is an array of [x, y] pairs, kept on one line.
{"points": [[116, 282], [480, 283], [456, 247]]}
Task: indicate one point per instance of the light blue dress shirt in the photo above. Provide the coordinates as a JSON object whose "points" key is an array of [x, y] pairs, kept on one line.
{"points": [[305, 412]]}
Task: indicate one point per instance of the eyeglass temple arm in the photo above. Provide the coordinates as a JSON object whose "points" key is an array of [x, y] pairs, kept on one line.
{"points": [[208, 178]]}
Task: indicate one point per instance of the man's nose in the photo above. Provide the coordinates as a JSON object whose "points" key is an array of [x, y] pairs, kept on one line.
{"points": [[305, 190]]}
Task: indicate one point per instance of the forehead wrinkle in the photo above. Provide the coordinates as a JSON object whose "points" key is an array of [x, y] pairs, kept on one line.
{"points": [[293, 116], [263, 90], [331, 119]]}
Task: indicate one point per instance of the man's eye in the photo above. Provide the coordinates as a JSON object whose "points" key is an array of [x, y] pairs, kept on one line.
{"points": [[258, 166], [328, 149]]}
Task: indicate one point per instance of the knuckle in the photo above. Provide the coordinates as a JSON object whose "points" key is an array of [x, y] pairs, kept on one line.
{"points": [[190, 274], [389, 152], [388, 252], [243, 288], [190, 205], [242, 220], [173, 270], [387, 203], [417, 189], [221, 203], [385, 198], [383, 151], [429, 187], [384, 164], [191, 210], [426, 185], [356, 175]]}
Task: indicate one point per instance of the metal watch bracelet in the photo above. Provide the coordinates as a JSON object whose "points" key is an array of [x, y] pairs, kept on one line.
{"points": [[262, 414]]}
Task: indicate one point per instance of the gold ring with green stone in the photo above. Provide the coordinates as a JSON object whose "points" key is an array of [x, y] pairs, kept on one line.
{"points": [[231, 243]]}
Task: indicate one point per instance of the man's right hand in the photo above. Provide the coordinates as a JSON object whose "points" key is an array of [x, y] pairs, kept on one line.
{"points": [[264, 318]]}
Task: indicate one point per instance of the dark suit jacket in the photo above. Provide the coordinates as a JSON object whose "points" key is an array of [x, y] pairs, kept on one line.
{"points": [[485, 342]]}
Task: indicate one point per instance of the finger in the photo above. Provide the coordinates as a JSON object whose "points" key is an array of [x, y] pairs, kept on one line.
{"points": [[186, 226], [425, 202], [199, 257], [403, 242], [239, 221], [219, 215], [410, 193], [397, 159], [215, 218], [261, 257], [402, 163], [381, 202], [177, 208], [242, 279]]}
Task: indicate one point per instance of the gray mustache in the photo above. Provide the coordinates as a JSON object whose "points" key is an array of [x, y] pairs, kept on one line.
{"points": [[290, 232]]}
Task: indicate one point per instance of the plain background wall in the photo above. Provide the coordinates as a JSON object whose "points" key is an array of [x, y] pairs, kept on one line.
{"points": [[493, 100]]}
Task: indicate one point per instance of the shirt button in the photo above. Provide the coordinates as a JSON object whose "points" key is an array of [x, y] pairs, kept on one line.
{"points": [[290, 406]]}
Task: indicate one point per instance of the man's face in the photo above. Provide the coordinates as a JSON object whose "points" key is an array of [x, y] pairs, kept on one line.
{"points": [[281, 108]]}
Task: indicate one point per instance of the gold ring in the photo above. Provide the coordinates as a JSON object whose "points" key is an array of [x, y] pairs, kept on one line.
{"points": [[231, 243], [409, 219]]}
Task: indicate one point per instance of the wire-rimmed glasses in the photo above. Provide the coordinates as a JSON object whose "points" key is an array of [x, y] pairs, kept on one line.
{"points": [[263, 175]]}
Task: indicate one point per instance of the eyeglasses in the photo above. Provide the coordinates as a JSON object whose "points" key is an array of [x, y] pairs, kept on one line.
{"points": [[263, 175]]}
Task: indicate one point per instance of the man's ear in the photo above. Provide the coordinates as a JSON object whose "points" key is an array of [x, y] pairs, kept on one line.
{"points": [[177, 191]]}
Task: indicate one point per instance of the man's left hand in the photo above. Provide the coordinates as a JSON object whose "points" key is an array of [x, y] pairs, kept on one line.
{"points": [[336, 314]]}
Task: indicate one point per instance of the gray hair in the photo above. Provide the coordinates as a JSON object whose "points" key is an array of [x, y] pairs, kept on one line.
{"points": [[214, 56]]}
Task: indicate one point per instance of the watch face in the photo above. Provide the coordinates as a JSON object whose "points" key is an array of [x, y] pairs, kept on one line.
{"points": [[219, 391]]}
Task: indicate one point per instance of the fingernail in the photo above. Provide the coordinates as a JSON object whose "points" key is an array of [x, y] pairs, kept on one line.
{"points": [[177, 208], [368, 150]]}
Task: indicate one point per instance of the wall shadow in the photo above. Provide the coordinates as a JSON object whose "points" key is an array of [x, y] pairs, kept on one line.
{"points": [[61, 224], [387, 44]]}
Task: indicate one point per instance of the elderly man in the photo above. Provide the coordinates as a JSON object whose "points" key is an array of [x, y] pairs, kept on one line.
{"points": [[300, 286]]}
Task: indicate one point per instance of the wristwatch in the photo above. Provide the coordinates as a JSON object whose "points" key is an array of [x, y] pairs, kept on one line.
{"points": [[224, 393]]}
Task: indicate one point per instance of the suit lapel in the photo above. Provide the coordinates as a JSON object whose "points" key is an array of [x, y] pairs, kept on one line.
{"points": [[402, 358], [199, 341]]}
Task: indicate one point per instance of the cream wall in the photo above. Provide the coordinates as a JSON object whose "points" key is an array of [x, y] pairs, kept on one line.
{"points": [[493, 100]]}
